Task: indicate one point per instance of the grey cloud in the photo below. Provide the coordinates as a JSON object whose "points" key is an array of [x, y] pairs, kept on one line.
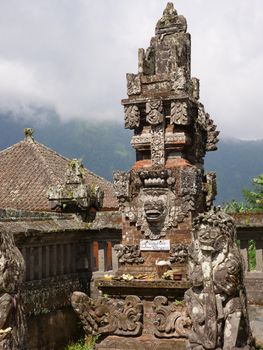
{"points": [[72, 56]]}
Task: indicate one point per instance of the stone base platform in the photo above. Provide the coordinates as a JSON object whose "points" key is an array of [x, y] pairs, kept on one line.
{"points": [[141, 343], [155, 316]]}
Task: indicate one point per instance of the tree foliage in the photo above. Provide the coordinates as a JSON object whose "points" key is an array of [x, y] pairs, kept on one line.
{"points": [[254, 197]]}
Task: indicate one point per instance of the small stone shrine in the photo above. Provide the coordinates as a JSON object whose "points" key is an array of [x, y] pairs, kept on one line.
{"points": [[168, 220]]}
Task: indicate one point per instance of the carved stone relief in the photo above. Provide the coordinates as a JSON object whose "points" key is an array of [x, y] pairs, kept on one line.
{"points": [[157, 146], [152, 200], [121, 182], [178, 254], [130, 254], [75, 192], [207, 124], [132, 116], [109, 316], [170, 320], [179, 113], [171, 22], [154, 111], [133, 84]]}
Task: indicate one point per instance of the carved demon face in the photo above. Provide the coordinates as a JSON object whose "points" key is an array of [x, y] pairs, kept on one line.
{"points": [[211, 238], [155, 206]]}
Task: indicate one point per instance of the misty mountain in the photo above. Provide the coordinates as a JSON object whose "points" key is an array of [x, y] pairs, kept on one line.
{"points": [[105, 147]]}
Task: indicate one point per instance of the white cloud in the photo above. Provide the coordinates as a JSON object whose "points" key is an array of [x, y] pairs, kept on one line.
{"points": [[72, 56]]}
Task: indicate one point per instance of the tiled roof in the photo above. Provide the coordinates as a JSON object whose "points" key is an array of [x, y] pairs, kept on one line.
{"points": [[28, 169]]}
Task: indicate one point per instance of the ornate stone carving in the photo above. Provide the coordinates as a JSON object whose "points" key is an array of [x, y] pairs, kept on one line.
{"points": [[12, 268], [75, 193], [154, 111], [207, 124], [157, 146], [170, 320], [179, 113], [132, 116], [171, 22], [121, 182], [141, 141], [155, 212], [149, 198], [178, 253], [110, 316], [130, 254], [216, 303], [133, 84]]}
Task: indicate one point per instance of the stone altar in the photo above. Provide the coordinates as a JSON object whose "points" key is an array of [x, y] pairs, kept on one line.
{"points": [[165, 200]]}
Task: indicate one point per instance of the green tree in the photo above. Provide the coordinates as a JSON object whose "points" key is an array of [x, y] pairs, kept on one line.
{"points": [[254, 197]]}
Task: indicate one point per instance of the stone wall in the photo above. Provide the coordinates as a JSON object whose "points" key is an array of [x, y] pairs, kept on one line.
{"points": [[61, 253]]}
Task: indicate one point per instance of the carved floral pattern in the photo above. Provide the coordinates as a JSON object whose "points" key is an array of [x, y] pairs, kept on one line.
{"points": [[132, 116], [154, 111], [178, 254], [170, 320], [130, 254], [179, 113], [157, 146], [110, 316]]}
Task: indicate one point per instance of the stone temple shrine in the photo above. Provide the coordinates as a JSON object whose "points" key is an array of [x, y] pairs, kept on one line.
{"points": [[180, 278]]}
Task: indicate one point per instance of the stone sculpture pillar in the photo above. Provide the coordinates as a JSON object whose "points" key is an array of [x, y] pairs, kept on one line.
{"points": [[161, 199], [12, 268]]}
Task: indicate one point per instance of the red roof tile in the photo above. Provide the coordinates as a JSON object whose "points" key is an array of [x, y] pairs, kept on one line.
{"points": [[28, 169]]}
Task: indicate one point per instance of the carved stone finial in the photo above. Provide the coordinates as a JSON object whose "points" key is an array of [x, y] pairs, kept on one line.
{"points": [[29, 133], [74, 173], [75, 194], [170, 21]]}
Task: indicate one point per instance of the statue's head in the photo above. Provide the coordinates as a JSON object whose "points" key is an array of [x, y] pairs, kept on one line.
{"points": [[214, 230]]}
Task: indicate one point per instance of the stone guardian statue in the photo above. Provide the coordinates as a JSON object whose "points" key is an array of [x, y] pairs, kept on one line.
{"points": [[12, 268]]}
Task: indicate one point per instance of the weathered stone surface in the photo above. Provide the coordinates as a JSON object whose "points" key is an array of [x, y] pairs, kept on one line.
{"points": [[159, 199], [110, 316], [75, 193], [128, 254], [171, 320], [12, 321], [217, 301]]}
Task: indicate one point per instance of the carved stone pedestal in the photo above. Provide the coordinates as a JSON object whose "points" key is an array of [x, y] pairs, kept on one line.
{"points": [[163, 323]]}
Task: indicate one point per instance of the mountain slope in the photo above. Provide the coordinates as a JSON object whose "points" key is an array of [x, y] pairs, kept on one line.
{"points": [[105, 147]]}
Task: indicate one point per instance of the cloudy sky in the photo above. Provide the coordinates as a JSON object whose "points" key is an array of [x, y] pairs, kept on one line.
{"points": [[72, 56]]}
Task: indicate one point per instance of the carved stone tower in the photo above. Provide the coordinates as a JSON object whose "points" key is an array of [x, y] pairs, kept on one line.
{"points": [[167, 186], [165, 200]]}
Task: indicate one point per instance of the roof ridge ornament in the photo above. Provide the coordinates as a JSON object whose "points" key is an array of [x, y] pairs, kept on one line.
{"points": [[28, 132]]}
